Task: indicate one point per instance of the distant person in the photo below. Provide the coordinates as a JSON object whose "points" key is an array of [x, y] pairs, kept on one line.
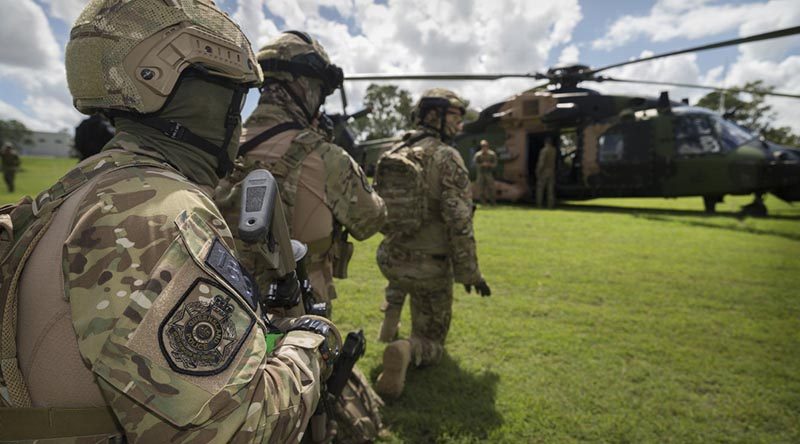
{"points": [[92, 134], [428, 240], [11, 162], [546, 174], [485, 161]]}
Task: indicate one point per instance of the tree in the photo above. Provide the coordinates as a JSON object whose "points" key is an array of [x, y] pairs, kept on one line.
{"points": [[754, 114], [391, 112], [13, 131]]}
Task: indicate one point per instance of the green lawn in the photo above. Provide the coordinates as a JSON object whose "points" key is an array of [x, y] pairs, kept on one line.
{"points": [[37, 174], [612, 320]]}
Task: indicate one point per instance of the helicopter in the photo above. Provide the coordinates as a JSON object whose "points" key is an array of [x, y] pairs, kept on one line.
{"points": [[615, 145]]}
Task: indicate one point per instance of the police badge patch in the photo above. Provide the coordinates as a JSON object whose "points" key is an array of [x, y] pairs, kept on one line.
{"points": [[204, 331]]}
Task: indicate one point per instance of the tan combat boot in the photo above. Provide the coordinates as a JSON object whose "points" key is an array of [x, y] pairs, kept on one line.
{"points": [[396, 359], [390, 324]]}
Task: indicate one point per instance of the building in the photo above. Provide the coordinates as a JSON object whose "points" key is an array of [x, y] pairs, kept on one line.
{"points": [[41, 143]]}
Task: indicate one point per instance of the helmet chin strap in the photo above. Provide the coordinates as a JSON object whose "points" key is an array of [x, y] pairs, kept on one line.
{"points": [[176, 131], [442, 122]]}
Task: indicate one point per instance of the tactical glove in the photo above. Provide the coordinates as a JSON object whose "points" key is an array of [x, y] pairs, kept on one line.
{"points": [[332, 342], [481, 287]]}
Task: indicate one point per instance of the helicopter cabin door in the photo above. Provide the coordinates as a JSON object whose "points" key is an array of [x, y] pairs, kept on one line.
{"points": [[535, 144], [624, 160]]}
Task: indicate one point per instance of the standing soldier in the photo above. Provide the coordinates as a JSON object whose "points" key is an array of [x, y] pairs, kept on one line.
{"points": [[132, 292], [11, 162], [546, 174], [485, 161], [325, 192], [429, 239]]}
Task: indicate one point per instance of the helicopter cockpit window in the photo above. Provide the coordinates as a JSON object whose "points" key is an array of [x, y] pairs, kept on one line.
{"points": [[731, 135], [694, 135], [612, 147]]}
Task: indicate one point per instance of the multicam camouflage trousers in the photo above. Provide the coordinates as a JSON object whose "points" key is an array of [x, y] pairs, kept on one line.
{"points": [[486, 187], [429, 281], [546, 184]]}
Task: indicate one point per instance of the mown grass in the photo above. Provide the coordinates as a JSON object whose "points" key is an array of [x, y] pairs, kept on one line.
{"points": [[618, 320], [37, 173]]}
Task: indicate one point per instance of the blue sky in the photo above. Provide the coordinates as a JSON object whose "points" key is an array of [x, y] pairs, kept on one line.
{"points": [[466, 36]]}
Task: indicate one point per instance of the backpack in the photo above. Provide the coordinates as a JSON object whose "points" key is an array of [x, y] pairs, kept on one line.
{"points": [[357, 412], [400, 180]]}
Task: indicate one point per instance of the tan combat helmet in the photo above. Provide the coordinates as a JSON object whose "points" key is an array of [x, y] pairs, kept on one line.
{"points": [[128, 55], [295, 54], [439, 99]]}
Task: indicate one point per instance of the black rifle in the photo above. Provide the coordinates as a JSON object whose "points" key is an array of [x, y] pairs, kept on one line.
{"points": [[353, 349]]}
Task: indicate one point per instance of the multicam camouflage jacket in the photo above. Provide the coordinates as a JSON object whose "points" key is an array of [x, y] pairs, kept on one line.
{"points": [[163, 321], [447, 229]]}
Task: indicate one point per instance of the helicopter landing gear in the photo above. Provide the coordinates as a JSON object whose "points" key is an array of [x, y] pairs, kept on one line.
{"points": [[756, 208], [710, 203]]}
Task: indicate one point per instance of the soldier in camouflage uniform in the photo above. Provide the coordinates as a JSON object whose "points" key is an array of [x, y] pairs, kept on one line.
{"points": [[485, 161], [546, 174], [424, 263], [134, 295], [11, 162], [322, 187]]}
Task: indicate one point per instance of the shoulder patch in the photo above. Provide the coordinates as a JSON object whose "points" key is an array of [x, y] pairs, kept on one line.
{"points": [[204, 331], [453, 170]]}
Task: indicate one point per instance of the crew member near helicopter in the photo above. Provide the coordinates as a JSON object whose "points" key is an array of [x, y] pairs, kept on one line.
{"points": [[546, 174], [485, 160]]}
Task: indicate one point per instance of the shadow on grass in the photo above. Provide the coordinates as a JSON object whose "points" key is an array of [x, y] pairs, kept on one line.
{"points": [[664, 212], [740, 229], [444, 401]]}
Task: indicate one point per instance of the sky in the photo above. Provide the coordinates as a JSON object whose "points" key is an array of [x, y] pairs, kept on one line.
{"points": [[472, 36]]}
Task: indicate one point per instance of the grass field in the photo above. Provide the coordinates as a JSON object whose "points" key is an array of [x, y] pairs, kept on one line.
{"points": [[617, 320]]}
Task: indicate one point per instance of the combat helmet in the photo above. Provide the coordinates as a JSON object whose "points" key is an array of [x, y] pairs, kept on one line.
{"points": [[295, 54], [439, 99], [129, 55], [127, 58]]}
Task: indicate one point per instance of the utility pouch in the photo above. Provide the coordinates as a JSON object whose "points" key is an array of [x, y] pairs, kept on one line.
{"points": [[342, 253]]}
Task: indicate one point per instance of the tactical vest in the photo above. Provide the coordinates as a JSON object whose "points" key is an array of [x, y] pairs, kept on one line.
{"points": [[22, 226], [286, 171]]}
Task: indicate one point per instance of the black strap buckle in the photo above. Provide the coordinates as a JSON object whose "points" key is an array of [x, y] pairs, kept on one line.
{"points": [[175, 131]]}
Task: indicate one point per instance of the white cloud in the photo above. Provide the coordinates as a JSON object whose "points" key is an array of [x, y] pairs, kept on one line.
{"points": [[569, 56], [426, 36], [670, 19], [65, 10], [34, 66], [27, 39]]}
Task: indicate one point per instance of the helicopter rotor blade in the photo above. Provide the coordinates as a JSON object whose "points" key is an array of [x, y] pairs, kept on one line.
{"points": [[692, 85], [753, 38], [444, 76]]}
